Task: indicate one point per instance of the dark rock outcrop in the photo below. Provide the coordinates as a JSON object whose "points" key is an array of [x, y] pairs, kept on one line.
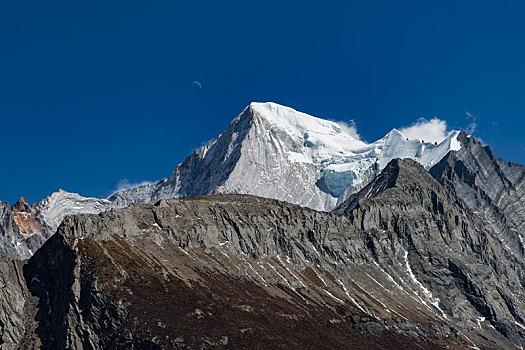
{"points": [[462, 259]]}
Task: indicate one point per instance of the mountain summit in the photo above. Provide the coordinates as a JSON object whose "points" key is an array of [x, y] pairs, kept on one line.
{"points": [[269, 151], [276, 152]]}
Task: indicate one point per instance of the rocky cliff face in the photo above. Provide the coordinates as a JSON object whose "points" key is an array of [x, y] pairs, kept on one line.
{"points": [[219, 272], [21, 233], [461, 256], [14, 315], [492, 188], [404, 263]]}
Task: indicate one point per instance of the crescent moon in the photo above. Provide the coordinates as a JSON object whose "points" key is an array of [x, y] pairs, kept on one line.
{"points": [[197, 83]]}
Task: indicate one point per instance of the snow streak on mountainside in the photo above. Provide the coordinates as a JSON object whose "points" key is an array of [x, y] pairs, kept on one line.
{"points": [[276, 152]]}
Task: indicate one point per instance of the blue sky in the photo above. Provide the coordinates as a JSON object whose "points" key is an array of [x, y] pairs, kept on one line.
{"points": [[95, 92]]}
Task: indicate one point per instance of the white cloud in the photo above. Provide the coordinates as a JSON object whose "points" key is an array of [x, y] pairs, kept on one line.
{"points": [[350, 128], [125, 184], [433, 130], [472, 127]]}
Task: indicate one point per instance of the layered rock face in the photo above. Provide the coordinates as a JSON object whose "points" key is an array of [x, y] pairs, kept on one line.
{"points": [[402, 264], [461, 256], [491, 187], [409, 258], [15, 311]]}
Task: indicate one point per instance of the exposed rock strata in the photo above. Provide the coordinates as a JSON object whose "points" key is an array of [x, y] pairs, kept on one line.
{"points": [[492, 188], [403, 263]]}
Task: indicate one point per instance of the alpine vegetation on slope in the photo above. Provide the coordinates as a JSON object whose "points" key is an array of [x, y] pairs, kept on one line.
{"points": [[402, 264]]}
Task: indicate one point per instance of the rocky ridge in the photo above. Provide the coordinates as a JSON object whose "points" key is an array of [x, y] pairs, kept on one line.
{"points": [[415, 258], [403, 263], [492, 188]]}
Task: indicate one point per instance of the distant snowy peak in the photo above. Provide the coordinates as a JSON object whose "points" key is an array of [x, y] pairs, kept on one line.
{"points": [[324, 141], [53, 209], [298, 123], [396, 145]]}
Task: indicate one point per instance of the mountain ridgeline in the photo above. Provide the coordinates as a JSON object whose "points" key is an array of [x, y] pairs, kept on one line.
{"points": [[301, 236], [270, 151]]}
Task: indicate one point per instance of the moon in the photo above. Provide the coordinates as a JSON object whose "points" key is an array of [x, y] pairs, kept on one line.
{"points": [[197, 83]]}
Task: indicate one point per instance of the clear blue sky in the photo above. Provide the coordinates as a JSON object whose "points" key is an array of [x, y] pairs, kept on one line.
{"points": [[93, 92]]}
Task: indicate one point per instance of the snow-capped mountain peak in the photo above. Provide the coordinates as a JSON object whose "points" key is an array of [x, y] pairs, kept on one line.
{"points": [[274, 151], [271, 151], [324, 141], [298, 123], [53, 209]]}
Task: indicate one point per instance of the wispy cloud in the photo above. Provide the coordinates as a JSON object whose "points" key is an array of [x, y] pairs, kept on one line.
{"points": [[472, 127], [433, 130], [125, 184], [350, 128]]}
